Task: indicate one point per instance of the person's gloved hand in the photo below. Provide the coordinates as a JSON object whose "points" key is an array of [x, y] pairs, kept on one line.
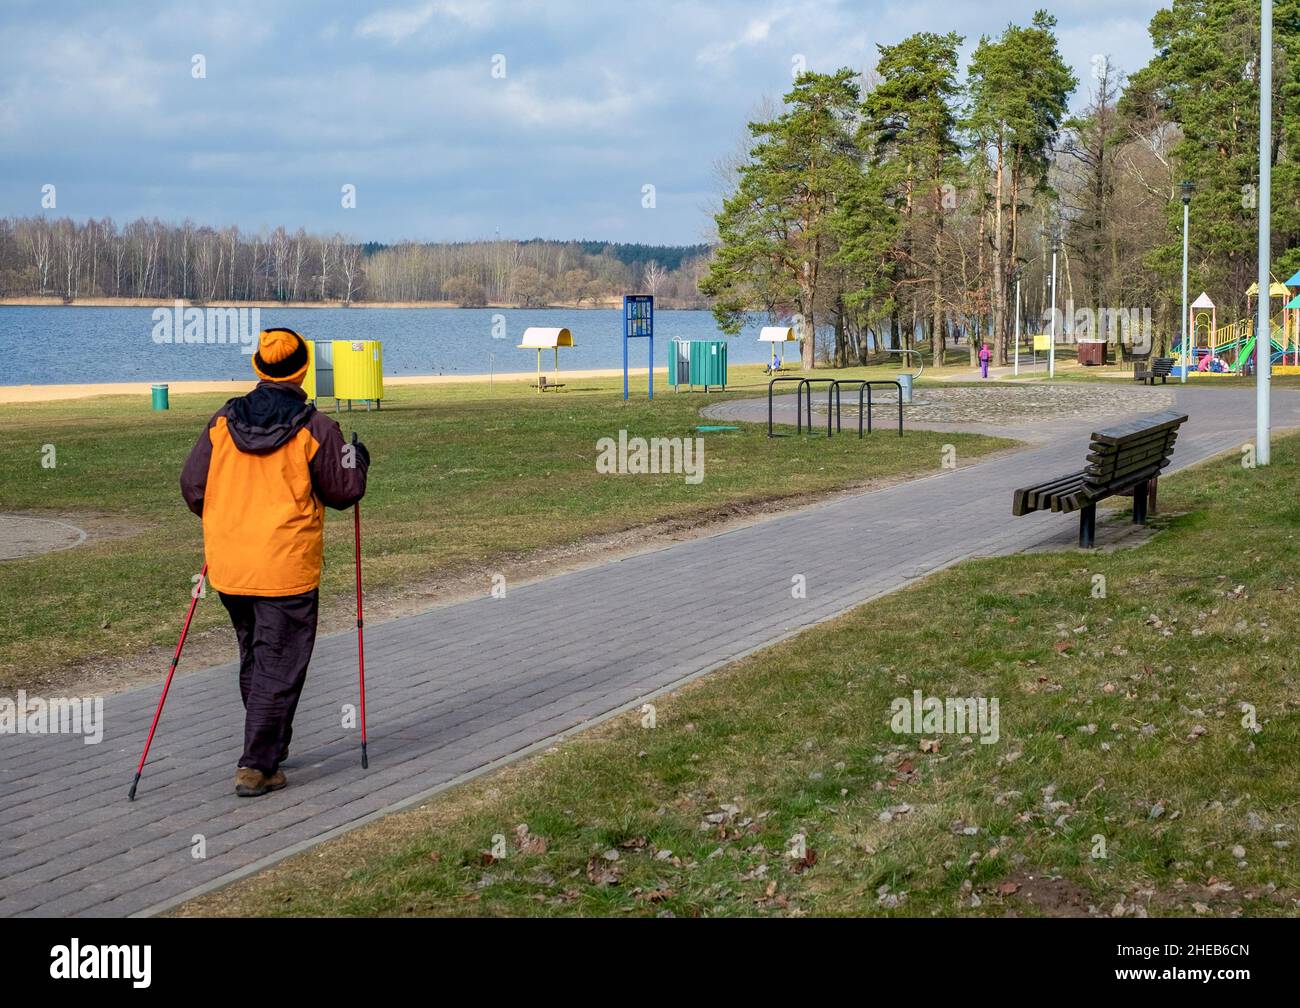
{"points": [[362, 452]]}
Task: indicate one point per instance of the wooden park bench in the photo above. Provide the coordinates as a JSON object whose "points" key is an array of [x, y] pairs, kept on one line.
{"points": [[1159, 369], [1124, 460]]}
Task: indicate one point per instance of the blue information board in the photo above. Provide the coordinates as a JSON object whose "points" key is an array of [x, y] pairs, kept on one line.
{"points": [[639, 323]]}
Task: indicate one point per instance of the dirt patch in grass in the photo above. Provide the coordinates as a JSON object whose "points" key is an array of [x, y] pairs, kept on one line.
{"points": [[1026, 895], [24, 534]]}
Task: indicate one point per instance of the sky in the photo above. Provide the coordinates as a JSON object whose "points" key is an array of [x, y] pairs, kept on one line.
{"points": [[453, 119]]}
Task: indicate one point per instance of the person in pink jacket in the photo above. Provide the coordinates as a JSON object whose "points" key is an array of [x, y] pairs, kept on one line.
{"points": [[984, 355]]}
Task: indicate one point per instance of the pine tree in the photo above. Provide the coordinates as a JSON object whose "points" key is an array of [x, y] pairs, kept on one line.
{"points": [[1019, 88], [775, 231], [910, 129]]}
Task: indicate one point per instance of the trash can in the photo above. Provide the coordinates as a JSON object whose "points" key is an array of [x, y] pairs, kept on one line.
{"points": [[905, 387], [319, 382], [679, 363], [160, 397], [1092, 353], [709, 363], [358, 371]]}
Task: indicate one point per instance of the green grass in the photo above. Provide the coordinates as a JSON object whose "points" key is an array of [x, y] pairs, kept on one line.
{"points": [[1121, 719], [463, 479]]}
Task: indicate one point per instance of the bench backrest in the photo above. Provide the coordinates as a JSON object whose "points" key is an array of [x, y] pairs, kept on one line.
{"points": [[1134, 451]]}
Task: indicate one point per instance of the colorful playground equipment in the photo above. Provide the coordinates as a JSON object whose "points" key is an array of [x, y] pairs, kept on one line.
{"points": [[1230, 349], [540, 338]]}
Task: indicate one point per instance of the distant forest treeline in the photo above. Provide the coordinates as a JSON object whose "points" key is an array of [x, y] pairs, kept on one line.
{"points": [[151, 259]]}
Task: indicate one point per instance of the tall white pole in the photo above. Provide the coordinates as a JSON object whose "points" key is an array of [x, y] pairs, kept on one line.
{"points": [[1263, 337], [1051, 350], [1016, 368], [1186, 351]]}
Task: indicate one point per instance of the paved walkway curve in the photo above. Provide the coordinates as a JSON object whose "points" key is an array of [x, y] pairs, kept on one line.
{"points": [[455, 689]]}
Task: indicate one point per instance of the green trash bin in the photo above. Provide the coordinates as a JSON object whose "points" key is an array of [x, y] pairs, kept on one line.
{"points": [[160, 397], [709, 363]]}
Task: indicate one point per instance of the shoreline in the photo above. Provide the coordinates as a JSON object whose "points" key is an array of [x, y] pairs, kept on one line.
{"points": [[10, 394], [36, 301]]}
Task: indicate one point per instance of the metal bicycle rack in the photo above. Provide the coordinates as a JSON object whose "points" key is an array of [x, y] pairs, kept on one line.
{"points": [[830, 383], [832, 391], [864, 386], [798, 403]]}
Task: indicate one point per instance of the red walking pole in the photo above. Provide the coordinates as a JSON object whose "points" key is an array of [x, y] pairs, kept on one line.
{"points": [[361, 640], [194, 601]]}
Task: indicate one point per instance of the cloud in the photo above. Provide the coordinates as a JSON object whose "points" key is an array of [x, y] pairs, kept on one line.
{"points": [[302, 96], [396, 25], [756, 31]]}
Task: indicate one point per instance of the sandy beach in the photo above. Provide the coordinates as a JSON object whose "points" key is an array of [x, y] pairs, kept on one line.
{"points": [[54, 393]]}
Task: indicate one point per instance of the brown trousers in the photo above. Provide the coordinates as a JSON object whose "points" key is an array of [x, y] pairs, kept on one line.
{"points": [[276, 637]]}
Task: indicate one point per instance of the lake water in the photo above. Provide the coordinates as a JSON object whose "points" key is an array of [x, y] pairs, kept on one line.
{"points": [[65, 345]]}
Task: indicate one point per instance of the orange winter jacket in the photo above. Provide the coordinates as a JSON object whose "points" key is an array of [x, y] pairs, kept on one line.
{"points": [[260, 477]]}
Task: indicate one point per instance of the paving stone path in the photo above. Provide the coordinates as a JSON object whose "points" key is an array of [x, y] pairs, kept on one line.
{"points": [[457, 689]]}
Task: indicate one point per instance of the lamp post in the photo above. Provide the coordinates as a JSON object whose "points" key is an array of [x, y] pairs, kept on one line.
{"points": [[1263, 337], [1051, 350], [1187, 188]]}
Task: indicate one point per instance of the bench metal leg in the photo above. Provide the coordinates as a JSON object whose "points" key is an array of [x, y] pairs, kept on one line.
{"points": [[1087, 526], [1140, 499], [1151, 494]]}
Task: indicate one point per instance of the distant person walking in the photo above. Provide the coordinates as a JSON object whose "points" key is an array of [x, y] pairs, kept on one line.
{"points": [[984, 355], [260, 476]]}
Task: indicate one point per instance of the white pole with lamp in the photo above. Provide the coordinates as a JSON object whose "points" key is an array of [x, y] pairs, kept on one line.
{"points": [[1051, 350], [1263, 337], [1187, 189]]}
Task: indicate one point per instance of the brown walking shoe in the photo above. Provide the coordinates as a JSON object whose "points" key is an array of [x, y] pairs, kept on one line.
{"points": [[250, 783]]}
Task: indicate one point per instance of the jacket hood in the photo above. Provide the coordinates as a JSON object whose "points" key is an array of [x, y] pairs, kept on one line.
{"points": [[268, 416]]}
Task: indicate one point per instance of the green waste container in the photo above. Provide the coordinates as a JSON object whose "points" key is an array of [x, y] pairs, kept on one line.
{"points": [[679, 363], [160, 397], [709, 363]]}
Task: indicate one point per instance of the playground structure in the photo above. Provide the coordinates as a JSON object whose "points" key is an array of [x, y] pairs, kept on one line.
{"points": [[1230, 349], [541, 338]]}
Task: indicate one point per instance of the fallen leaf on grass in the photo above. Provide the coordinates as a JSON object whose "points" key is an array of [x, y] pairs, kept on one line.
{"points": [[529, 843], [602, 872]]}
